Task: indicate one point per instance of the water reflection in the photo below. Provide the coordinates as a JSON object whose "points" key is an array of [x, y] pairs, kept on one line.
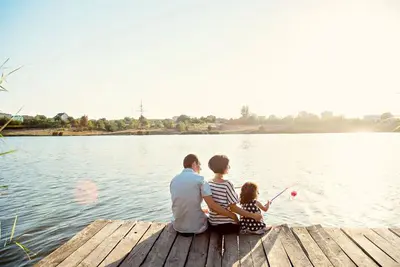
{"points": [[59, 185]]}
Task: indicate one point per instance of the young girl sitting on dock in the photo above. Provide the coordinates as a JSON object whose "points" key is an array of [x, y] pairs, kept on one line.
{"points": [[249, 202], [224, 194]]}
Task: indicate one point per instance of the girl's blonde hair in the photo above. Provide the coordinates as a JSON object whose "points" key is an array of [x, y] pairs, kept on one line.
{"points": [[249, 193]]}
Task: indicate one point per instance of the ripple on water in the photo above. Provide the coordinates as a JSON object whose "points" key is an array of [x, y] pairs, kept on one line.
{"points": [[132, 175]]}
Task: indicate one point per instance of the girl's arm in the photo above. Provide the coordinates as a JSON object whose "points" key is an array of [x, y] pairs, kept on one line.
{"points": [[233, 200], [256, 216], [261, 206]]}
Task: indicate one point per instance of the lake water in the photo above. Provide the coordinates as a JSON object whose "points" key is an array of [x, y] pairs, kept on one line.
{"points": [[58, 185]]}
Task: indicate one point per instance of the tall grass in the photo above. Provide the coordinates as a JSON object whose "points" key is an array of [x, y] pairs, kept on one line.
{"points": [[3, 80], [11, 240]]}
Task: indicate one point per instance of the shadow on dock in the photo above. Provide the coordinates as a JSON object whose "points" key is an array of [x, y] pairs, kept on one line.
{"points": [[126, 243]]}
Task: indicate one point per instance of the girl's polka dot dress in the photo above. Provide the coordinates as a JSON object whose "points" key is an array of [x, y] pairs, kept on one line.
{"points": [[249, 224]]}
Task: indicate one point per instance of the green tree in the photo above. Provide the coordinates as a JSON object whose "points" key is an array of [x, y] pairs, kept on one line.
{"points": [[134, 124], [183, 118], [193, 121], [158, 124], [121, 125], [40, 118], [111, 126], [211, 119], [91, 124], [76, 123], [101, 125], [143, 122], [181, 126], [386, 115], [52, 123], [168, 124], [84, 121], [127, 120]]}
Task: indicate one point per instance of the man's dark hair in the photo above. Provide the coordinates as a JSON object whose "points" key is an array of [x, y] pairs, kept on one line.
{"points": [[218, 163], [189, 160]]}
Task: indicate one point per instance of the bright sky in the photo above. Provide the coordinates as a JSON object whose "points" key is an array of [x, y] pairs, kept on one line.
{"points": [[102, 57]]}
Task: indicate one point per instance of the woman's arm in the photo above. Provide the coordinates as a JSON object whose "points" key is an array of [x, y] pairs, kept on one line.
{"points": [[242, 212], [261, 206], [233, 199], [212, 205]]}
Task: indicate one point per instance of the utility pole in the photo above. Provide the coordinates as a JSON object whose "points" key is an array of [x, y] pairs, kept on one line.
{"points": [[141, 109], [141, 118]]}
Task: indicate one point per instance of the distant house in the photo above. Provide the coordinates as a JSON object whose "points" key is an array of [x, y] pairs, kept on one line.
{"points": [[18, 118], [327, 115], [62, 117], [27, 117], [372, 117], [5, 115]]}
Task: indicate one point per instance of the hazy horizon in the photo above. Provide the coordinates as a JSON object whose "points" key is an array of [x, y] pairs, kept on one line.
{"points": [[238, 116], [199, 58]]}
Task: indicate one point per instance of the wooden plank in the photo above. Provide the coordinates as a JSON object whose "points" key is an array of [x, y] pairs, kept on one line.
{"points": [[108, 244], [161, 248], [81, 253], [73, 244], [231, 251], [214, 254], [350, 248], [277, 256], [143, 247], [245, 251], [257, 251], [382, 243], [396, 231], [179, 252], [126, 245], [198, 251], [368, 247], [312, 250], [293, 249], [388, 235], [269, 239], [329, 247]]}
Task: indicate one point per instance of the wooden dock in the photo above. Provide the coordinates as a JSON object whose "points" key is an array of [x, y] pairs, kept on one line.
{"points": [[128, 243]]}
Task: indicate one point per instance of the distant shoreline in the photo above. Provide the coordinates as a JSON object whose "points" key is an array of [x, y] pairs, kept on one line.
{"points": [[60, 133]]}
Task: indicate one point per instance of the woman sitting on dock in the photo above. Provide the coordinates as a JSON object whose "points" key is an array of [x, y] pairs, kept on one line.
{"points": [[224, 194], [188, 189]]}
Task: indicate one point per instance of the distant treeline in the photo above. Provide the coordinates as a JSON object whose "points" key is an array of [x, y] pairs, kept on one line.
{"points": [[181, 123], [303, 122]]}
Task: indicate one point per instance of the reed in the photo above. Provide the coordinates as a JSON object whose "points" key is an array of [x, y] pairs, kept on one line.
{"points": [[11, 240]]}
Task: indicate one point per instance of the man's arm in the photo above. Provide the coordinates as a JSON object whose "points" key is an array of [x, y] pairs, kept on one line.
{"points": [[212, 205], [236, 209]]}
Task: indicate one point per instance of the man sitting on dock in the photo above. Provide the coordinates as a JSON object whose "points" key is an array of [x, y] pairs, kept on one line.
{"points": [[188, 189]]}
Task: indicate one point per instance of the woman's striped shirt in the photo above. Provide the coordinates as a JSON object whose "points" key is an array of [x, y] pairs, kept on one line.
{"points": [[224, 194]]}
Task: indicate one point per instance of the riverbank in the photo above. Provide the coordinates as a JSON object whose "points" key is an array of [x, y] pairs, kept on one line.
{"points": [[221, 130]]}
